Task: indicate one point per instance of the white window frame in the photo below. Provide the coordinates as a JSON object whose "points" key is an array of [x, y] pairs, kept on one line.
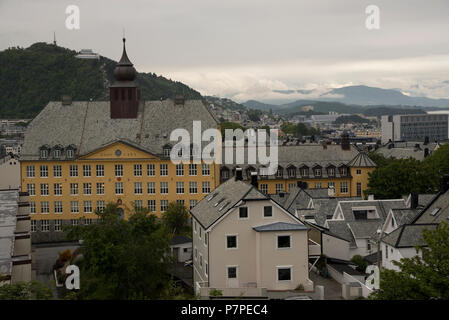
{"points": [[284, 267], [283, 235], [236, 241]]}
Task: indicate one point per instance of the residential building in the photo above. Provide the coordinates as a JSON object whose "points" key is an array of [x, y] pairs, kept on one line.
{"points": [[181, 248], [402, 242], [15, 238], [80, 155], [360, 222], [244, 243]]}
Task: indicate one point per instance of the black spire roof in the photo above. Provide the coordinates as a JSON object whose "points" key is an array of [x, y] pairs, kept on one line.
{"points": [[124, 71]]}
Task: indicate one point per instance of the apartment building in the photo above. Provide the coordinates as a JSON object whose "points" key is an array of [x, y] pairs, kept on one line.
{"points": [[415, 127]]}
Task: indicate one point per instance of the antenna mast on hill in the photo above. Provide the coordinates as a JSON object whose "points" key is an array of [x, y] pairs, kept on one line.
{"points": [[54, 38]]}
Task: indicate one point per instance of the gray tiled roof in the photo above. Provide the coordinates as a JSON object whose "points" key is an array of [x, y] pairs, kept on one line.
{"points": [[440, 205], [408, 235], [404, 216], [231, 192], [350, 227], [280, 226], [87, 125], [362, 160], [310, 155], [341, 229]]}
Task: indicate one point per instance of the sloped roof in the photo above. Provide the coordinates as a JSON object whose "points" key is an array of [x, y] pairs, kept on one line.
{"points": [[280, 226], [88, 125], [404, 216], [362, 160], [408, 235], [209, 209], [436, 211]]}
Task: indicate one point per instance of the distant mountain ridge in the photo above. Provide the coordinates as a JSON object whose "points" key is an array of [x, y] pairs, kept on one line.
{"points": [[31, 77], [364, 95]]}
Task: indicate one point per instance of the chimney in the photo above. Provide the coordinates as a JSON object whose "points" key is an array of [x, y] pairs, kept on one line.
{"points": [[238, 174], [179, 100], [299, 184], [331, 192], [371, 197], [345, 141], [445, 183], [281, 194], [254, 180], [426, 152], [66, 100], [414, 200]]}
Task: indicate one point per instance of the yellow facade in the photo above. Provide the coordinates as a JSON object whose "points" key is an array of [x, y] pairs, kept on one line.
{"points": [[108, 158], [344, 187]]}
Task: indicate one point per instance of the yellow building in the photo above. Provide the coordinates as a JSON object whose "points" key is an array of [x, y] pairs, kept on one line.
{"points": [[78, 156], [341, 167]]}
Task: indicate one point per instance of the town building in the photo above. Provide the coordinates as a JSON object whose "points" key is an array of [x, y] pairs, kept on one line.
{"points": [[15, 238], [341, 167], [402, 242], [246, 244], [418, 150], [415, 127], [360, 222], [79, 155]]}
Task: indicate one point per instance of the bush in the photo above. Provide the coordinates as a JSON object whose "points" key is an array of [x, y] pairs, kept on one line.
{"points": [[300, 287], [65, 255], [215, 293], [359, 262]]}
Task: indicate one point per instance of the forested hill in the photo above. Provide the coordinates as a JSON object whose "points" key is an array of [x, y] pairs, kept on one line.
{"points": [[31, 77]]}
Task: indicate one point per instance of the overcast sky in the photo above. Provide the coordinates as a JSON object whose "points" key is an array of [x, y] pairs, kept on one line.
{"points": [[245, 49]]}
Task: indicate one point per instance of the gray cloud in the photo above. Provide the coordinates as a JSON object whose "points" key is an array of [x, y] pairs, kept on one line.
{"points": [[246, 49]]}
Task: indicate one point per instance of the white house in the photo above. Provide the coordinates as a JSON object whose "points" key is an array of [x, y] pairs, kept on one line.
{"points": [[245, 243]]}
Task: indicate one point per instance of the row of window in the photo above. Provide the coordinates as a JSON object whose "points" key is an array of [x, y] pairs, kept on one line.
{"points": [[118, 170], [292, 171], [344, 187], [119, 188], [74, 207], [88, 206], [57, 224]]}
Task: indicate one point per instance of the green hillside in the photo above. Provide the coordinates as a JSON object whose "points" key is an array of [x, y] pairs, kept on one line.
{"points": [[31, 77]]}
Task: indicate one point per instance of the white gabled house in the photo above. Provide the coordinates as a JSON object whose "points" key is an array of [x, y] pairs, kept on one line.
{"points": [[245, 243]]}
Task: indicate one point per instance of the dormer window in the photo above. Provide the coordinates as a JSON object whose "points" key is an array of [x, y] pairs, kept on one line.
{"points": [[280, 172], [166, 151], [331, 171], [317, 171], [44, 154], [291, 171], [343, 171], [70, 153], [57, 153], [304, 171]]}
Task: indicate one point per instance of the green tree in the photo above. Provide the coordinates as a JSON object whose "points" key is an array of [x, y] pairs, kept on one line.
{"points": [[438, 162], [176, 218], [33, 290], [122, 259], [400, 177], [420, 278]]}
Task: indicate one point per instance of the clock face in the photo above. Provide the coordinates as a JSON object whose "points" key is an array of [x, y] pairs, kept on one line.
{"points": [[118, 153]]}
